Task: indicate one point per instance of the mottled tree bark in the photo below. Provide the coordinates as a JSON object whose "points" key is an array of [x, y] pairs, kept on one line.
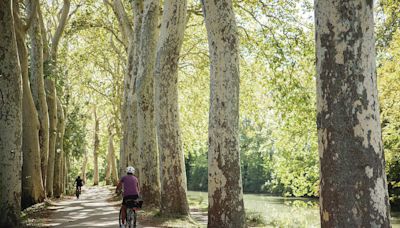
{"points": [[353, 180], [128, 145], [52, 109], [37, 85], [96, 144], [32, 185], [147, 142], [59, 153], [10, 120], [173, 175], [132, 151], [126, 115], [225, 193], [126, 33], [125, 118]]}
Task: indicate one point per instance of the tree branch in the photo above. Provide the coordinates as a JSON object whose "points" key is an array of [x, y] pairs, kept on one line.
{"points": [[63, 21], [115, 47], [46, 52], [31, 14], [123, 20]]}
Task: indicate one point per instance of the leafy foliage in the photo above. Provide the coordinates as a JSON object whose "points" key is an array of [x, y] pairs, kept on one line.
{"points": [[389, 88], [278, 138], [75, 133]]}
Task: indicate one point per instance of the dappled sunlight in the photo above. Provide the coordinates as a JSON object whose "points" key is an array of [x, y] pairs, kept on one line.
{"points": [[91, 210], [70, 209]]}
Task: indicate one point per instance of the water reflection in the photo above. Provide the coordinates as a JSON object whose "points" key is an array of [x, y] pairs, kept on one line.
{"points": [[283, 211]]}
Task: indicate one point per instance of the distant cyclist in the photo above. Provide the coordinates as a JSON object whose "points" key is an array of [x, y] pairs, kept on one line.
{"points": [[131, 189], [79, 183]]}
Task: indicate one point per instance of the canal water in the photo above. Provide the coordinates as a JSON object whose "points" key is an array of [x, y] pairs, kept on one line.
{"points": [[282, 211]]}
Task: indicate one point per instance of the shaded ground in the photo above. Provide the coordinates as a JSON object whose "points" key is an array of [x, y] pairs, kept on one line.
{"points": [[91, 210], [98, 207]]}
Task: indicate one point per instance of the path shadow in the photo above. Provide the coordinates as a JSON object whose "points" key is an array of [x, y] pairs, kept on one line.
{"points": [[92, 209]]}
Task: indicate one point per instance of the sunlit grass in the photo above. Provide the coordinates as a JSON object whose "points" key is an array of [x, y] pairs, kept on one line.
{"points": [[270, 211], [153, 217]]}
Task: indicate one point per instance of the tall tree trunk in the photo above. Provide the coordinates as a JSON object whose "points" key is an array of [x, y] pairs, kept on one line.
{"points": [[124, 151], [62, 176], [353, 180], [122, 157], [124, 122], [173, 175], [37, 85], [126, 31], [108, 168], [10, 120], [147, 142], [128, 114], [65, 174], [32, 185], [114, 175], [59, 153], [96, 144], [132, 151], [84, 164], [225, 193], [52, 107]]}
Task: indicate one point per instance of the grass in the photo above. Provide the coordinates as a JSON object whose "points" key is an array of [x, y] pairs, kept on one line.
{"points": [[255, 219], [152, 217]]}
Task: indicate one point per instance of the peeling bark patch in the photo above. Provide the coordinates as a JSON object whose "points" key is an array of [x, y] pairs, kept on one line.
{"points": [[378, 199], [369, 172], [325, 216]]}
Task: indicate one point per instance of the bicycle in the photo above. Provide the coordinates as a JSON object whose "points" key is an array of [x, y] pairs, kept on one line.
{"points": [[131, 216], [77, 192]]}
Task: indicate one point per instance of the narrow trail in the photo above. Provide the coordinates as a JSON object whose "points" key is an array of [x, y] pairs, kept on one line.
{"points": [[92, 209]]}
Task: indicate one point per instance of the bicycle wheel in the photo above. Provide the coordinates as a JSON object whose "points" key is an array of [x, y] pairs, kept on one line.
{"points": [[134, 217], [130, 218], [120, 217]]}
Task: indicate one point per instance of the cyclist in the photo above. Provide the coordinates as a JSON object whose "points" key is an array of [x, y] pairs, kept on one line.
{"points": [[79, 183], [131, 189]]}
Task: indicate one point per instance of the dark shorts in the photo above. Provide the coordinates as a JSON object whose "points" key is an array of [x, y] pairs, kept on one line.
{"points": [[132, 202], [126, 198]]}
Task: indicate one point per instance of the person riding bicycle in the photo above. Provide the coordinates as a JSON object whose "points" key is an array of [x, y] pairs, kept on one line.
{"points": [[79, 183], [131, 189]]}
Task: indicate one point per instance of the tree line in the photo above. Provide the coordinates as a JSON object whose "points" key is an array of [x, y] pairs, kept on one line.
{"points": [[37, 126], [150, 127]]}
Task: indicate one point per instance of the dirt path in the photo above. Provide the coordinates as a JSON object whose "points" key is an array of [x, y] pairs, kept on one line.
{"points": [[92, 209], [97, 207]]}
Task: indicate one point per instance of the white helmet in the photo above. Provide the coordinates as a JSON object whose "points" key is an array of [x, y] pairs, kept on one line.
{"points": [[130, 169]]}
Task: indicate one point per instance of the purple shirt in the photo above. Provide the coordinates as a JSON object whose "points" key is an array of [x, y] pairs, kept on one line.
{"points": [[130, 183]]}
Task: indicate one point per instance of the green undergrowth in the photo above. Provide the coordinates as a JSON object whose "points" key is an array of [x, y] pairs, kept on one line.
{"points": [[255, 219], [198, 202]]}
